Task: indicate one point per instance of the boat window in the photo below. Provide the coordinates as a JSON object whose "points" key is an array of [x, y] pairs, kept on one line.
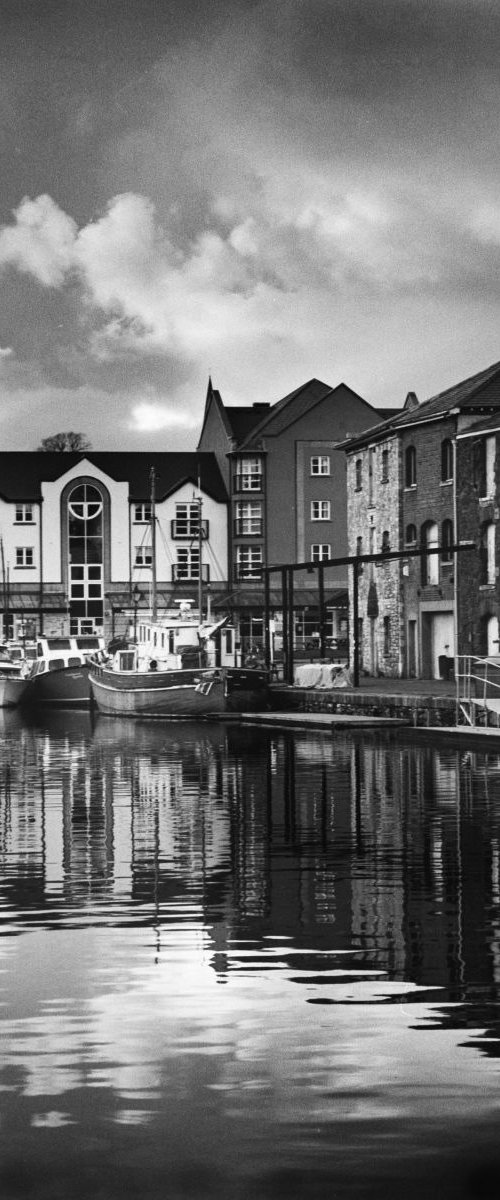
{"points": [[126, 660], [87, 643], [74, 662], [55, 664], [59, 643]]}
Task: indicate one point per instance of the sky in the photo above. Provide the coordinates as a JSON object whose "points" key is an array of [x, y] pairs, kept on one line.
{"points": [[263, 191]]}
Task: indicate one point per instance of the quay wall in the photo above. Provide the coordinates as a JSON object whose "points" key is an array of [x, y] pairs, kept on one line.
{"points": [[418, 710]]}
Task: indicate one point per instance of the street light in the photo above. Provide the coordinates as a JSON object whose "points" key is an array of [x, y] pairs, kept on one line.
{"points": [[136, 597]]}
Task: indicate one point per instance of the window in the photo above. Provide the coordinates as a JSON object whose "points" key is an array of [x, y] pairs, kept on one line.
{"points": [[24, 514], [446, 461], [359, 474], [484, 467], [320, 464], [249, 475], [320, 552], [430, 563], [320, 510], [188, 563], [359, 550], [446, 541], [386, 545], [143, 556], [385, 466], [142, 513], [487, 554], [24, 556], [187, 520], [248, 518], [410, 467], [387, 636], [248, 562], [411, 535]]}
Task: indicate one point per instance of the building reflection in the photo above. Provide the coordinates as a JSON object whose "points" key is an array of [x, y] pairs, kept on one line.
{"points": [[383, 848]]}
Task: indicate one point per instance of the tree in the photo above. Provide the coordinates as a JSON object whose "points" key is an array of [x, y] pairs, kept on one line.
{"points": [[61, 442]]}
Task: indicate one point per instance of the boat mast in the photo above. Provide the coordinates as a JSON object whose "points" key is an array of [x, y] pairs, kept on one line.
{"points": [[200, 568], [154, 598]]}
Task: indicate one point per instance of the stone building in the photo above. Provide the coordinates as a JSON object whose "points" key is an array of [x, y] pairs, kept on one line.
{"points": [[423, 479]]}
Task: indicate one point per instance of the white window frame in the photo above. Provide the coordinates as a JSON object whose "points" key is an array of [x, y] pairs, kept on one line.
{"points": [[249, 474], [187, 566], [143, 556], [320, 464], [142, 514], [320, 510], [249, 562], [249, 517], [24, 514], [320, 551], [490, 456], [490, 553], [25, 556]]}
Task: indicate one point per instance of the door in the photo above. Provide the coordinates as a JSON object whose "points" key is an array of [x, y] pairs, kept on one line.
{"points": [[442, 641], [493, 646]]}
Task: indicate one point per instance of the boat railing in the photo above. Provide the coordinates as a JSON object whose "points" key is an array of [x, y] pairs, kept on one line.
{"points": [[478, 689]]}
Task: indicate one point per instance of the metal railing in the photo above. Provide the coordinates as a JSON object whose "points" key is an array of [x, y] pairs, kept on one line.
{"points": [[478, 688]]}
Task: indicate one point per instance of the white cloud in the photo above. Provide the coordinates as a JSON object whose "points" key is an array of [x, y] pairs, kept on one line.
{"points": [[41, 243]]}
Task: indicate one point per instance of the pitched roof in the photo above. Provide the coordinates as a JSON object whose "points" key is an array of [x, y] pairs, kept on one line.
{"points": [[23, 472], [294, 406], [465, 396]]}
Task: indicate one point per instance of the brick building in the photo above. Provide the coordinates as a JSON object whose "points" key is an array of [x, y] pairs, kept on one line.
{"points": [[287, 497], [427, 478]]}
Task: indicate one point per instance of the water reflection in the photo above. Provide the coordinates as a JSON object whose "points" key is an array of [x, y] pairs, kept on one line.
{"points": [[282, 949]]}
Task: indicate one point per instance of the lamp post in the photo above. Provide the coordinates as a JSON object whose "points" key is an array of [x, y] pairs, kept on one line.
{"points": [[136, 597]]}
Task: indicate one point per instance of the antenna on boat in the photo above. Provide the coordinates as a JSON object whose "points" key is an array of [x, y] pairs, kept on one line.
{"points": [[154, 598]]}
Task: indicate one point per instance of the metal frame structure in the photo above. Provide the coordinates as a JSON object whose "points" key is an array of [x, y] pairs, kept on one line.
{"points": [[286, 571]]}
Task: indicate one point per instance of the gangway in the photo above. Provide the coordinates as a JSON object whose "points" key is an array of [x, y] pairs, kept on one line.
{"points": [[478, 688]]}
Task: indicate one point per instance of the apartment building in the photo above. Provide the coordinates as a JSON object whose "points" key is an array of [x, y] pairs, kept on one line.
{"points": [[286, 484], [76, 537]]}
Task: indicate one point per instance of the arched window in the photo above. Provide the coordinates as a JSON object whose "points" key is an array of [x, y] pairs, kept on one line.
{"points": [[386, 545], [385, 466], [446, 461], [359, 550], [411, 535], [359, 474], [85, 558], [430, 563], [446, 541], [410, 467]]}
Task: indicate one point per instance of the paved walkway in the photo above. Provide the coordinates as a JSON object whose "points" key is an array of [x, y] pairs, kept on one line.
{"points": [[387, 687]]}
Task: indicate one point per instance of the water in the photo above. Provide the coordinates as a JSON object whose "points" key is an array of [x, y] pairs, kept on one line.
{"points": [[245, 964]]}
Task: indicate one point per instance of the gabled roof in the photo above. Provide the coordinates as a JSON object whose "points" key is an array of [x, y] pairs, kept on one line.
{"points": [[294, 406], [22, 473], [466, 396], [237, 422]]}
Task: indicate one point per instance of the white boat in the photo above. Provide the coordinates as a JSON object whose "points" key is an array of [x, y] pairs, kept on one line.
{"points": [[59, 675]]}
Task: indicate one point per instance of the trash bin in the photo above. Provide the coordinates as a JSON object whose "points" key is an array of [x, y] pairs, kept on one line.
{"points": [[444, 666]]}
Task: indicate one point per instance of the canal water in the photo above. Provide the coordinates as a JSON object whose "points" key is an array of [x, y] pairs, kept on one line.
{"points": [[246, 964]]}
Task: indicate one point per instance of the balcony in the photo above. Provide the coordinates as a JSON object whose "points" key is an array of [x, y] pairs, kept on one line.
{"points": [[245, 571], [189, 530], [248, 527], [188, 573], [247, 483]]}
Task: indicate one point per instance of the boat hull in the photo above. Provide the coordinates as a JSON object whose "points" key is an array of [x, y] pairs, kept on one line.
{"points": [[176, 693], [66, 687], [12, 688]]}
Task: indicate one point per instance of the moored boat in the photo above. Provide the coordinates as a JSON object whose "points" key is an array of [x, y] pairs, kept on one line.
{"points": [[178, 668], [59, 675]]}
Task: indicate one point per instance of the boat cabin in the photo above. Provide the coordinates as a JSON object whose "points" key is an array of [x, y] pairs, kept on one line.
{"points": [[53, 654]]}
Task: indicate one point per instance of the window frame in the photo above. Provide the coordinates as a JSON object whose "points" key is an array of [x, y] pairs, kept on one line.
{"points": [[321, 460], [321, 515]]}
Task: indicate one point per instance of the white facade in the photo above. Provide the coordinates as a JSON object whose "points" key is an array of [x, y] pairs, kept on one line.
{"points": [[79, 554]]}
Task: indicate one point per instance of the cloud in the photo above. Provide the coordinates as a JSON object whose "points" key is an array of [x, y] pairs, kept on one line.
{"points": [[41, 242]]}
